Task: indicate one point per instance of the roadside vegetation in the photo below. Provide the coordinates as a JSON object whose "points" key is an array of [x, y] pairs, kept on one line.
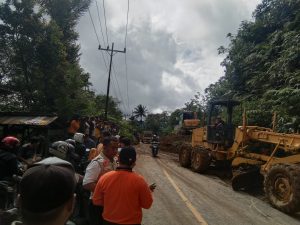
{"points": [[40, 69]]}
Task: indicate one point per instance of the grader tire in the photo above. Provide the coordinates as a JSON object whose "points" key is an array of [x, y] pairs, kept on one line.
{"points": [[200, 160], [185, 155], [282, 187]]}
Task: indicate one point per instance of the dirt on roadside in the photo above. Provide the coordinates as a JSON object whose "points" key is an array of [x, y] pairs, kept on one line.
{"points": [[172, 143]]}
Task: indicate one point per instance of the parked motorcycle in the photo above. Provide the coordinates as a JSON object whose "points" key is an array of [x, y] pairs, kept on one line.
{"points": [[8, 196], [154, 148]]}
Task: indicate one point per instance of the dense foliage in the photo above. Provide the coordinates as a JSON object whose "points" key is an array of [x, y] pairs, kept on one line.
{"points": [[40, 71], [262, 65], [39, 60], [262, 70]]}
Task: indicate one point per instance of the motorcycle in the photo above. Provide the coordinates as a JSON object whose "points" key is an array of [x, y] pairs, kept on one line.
{"points": [[8, 197], [7, 193], [154, 148]]}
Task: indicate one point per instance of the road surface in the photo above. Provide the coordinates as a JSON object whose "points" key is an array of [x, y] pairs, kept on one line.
{"points": [[183, 197]]}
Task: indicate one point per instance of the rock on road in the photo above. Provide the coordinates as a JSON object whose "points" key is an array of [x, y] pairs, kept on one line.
{"points": [[183, 197]]}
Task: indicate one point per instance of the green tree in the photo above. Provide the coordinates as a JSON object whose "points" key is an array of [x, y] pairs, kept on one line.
{"points": [[21, 29], [157, 123], [39, 57], [262, 63], [113, 107], [139, 112]]}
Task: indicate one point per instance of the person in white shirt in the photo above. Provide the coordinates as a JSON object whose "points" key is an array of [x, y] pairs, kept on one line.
{"points": [[100, 165]]}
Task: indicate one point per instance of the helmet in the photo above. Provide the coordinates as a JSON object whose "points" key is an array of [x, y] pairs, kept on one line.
{"points": [[10, 142], [71, 142], [78, 137], [60, 149]]}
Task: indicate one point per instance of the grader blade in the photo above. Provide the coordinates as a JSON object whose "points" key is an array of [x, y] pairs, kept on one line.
{"points": [[247, 180]]}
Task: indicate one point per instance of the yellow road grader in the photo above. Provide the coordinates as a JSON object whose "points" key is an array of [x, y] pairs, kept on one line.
{"points": [[254, 153]]}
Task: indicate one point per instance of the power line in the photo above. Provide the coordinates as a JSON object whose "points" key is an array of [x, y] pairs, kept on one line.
{"points": [[100, 24], [112, 51], [94, 26], [126, 72], [120, 99], [115, 75], [105, 21], [126, 67], [126, 24], [97, 39]]}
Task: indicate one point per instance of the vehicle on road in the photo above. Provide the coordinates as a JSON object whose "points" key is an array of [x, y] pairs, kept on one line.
{"points": [[256, 154], [188, 121], [154, 148], [147, 136]]}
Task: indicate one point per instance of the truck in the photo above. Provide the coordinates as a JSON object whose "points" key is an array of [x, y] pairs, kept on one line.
{"points": [[147, 136]]}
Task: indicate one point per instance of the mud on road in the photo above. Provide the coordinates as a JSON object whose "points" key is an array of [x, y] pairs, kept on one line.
{"points": [[183, 197]]}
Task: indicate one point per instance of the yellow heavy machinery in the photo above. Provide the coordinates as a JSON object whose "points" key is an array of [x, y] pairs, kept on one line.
{"points": [[188, 121], [210, 143], [254, 153]]}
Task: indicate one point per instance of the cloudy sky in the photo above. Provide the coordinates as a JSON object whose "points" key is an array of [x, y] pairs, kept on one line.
{"points": [[171, 48]]}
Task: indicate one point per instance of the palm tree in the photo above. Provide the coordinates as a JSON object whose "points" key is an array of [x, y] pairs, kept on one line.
{"points": [[140, 111]]}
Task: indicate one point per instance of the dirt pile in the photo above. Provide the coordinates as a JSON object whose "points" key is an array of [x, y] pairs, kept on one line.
{"points": [[172, 143]]}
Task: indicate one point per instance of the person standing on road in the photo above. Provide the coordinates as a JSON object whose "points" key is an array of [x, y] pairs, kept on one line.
{"points": [[8, 158], [124, 142], [100, 165], [47, 193], [123, 193], [73, 126]]}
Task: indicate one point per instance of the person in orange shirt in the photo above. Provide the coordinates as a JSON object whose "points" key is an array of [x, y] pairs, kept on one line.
{"points": [[123, 193]]}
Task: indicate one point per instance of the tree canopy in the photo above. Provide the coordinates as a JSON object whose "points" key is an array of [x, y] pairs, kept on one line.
{"points": [[39, 57], [262, 64], [140, 111]]}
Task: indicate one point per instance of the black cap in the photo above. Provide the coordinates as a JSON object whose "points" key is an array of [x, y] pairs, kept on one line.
{"points": [[125, 140], [47, 185], [127, 156]]}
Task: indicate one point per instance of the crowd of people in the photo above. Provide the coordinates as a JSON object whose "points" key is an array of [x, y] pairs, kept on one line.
{"points": [[91, 127], [97, 163]]}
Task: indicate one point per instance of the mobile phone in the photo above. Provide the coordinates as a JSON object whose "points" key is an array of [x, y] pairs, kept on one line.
{"points": [[153, 185]]}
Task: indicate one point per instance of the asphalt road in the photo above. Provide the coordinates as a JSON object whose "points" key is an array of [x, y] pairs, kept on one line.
{"points": [[183, 197]]}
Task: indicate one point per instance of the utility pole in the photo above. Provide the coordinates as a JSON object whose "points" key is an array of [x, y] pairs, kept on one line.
{"points": [[111, 53]]}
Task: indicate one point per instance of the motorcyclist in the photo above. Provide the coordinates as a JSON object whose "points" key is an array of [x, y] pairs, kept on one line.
{"points": [[155, 138], [8, 157], [154, 144]]}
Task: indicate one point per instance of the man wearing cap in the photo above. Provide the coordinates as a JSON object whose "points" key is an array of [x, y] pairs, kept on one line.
{"points": [[100, 165], [47, 193], [220, 128], [123, 193]]}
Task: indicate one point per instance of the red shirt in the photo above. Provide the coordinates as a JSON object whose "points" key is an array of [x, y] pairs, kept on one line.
{"points": [[123, 195]]}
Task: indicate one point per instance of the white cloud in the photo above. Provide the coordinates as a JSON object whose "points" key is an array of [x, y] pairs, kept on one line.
{"points": [[171, 49]]}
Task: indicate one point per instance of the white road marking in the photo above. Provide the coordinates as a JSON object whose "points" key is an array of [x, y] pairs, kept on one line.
{"points": [[195, 212]]}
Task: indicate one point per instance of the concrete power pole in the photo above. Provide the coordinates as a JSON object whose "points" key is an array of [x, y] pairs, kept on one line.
{"points": [[111, 53]]}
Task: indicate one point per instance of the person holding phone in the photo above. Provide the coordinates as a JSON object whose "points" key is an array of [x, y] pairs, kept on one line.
{"points": [[123, 193]]}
